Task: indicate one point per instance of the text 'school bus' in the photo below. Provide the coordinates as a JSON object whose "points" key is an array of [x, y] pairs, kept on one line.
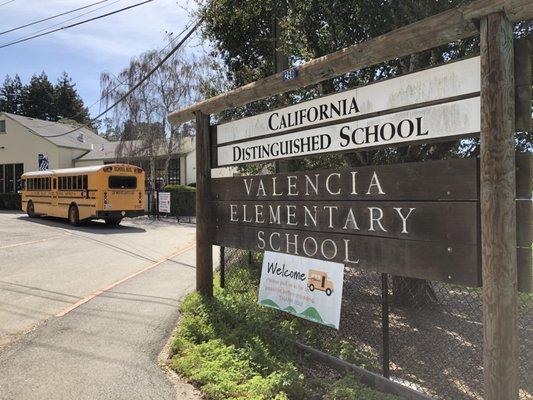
{"points": [[109, 192]]}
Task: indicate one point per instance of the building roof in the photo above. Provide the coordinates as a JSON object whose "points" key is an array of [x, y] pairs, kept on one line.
{"points": [[79, 170], [96, 147], [72, 136]]}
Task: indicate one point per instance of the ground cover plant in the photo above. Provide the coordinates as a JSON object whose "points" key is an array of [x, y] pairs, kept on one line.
{"points": [[233, 348]]}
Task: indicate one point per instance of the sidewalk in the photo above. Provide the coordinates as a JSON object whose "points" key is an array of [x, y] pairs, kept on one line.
{"points": [[107, 348]]}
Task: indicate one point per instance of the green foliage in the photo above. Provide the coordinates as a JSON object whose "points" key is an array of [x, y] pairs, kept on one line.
{"points": [[349, 388], [235, 349], [68, 103], [11, 95], [182, 200], [41, 99], [38, 98]]}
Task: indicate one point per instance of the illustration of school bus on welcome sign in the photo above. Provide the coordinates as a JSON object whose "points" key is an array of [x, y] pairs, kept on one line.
{"points": [[319, 280]]}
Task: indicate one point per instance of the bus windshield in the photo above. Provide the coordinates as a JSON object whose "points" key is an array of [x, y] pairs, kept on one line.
{"points": [[122, 182]]}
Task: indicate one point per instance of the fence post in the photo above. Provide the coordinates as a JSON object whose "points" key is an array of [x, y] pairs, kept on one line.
{"points": [[222, 267], [498, 209], [385, 324], [204, 248]]}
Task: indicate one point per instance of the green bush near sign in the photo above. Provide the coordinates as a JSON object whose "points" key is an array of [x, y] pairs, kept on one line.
{"points": [[9, 201], [227, 347], [182, 200]]}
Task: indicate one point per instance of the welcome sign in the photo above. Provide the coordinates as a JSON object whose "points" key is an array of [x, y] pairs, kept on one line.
{"points": [[308, 288]]}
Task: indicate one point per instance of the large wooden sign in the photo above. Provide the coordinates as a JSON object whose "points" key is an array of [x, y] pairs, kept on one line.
{"points": [[417, 220], [433, 104], [393, 219]]}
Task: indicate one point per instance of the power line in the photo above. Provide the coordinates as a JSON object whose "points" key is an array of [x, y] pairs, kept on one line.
{"points": [[6, 2], [52, 17], [148, 75], [120, 83], [62, 22], [76, 24]]}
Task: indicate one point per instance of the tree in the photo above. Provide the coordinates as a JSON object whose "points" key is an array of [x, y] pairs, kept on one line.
{"points": [[38, 98], [142, 116], [67, 102], [11, 95]]}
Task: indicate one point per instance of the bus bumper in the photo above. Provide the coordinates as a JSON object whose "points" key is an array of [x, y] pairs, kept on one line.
{"points": [[119, 214]]}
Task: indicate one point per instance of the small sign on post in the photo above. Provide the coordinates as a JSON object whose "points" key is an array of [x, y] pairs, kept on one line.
{"points": [[289, 74], [164, 202], [305, 287]]}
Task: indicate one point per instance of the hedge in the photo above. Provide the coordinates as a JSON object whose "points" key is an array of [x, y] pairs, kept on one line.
{"points": [[10, 201], [182, 200]]}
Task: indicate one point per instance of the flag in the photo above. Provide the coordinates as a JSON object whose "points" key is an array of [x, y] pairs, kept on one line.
{"points": [[43, 162]]}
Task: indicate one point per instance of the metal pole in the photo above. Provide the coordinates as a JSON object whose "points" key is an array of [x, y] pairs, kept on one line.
{"points": [[385, 323], [222, 267], [157, 203]]}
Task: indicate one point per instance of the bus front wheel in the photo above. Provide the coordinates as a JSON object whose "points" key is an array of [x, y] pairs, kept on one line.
{"points": [[31, 210], [73, 216], [114, 222]]}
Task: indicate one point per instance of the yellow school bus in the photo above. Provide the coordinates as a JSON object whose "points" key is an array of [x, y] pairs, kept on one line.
{"points": [[109, 192]]}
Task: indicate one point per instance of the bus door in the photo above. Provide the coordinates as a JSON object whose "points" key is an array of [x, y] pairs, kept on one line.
{"points": [[54, 192]]}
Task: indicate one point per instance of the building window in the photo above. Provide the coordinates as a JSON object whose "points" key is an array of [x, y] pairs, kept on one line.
{"points": [[3, 126], [174, 171], [10, 176]]}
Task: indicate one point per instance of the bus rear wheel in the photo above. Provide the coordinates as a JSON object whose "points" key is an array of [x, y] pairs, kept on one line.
{"points": [[73, 216], [113, 222], [30, 209]]}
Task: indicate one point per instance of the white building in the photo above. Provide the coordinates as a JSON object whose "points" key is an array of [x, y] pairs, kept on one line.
{"points": [[23, 139]]}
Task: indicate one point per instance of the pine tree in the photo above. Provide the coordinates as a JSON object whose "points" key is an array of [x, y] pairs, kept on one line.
{"points": [[68, 103], [11, 95], [38, 98]]}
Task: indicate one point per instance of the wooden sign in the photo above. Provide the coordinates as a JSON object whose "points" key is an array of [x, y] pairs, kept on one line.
{"points": [[393, 219], [418, 220], [433, 104]]}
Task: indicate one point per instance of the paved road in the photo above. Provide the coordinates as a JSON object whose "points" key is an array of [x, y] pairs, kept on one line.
{"points": [[84, 312]]}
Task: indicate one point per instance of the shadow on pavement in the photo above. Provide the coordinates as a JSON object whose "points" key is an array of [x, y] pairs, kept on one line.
{"points": [[96, 227]]}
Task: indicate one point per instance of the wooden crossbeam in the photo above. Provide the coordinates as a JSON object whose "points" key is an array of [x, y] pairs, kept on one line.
{"points": [[428, 33]]}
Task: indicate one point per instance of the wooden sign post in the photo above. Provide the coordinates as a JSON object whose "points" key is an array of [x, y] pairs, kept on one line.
{"points": [[204, 226], [498, 211]]}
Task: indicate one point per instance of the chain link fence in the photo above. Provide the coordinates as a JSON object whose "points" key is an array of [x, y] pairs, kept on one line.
{"points": [[435, 332]]}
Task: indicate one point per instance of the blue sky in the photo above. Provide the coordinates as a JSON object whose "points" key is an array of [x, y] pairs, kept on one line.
{"points": [[85, 51]]}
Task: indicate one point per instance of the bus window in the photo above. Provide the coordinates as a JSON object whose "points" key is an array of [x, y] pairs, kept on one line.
{"points": [[80, 182], [85, 182], [69, 182], [122, 182], [54, 183]]}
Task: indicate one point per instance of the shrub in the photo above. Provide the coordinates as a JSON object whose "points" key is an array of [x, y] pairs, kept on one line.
{"points": [[182, 200], [234, 348]]}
